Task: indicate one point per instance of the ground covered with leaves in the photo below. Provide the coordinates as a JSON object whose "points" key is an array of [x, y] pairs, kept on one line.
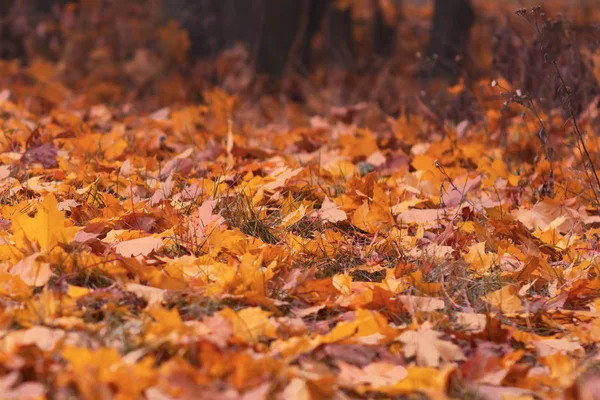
{"points": [[245, 246]]}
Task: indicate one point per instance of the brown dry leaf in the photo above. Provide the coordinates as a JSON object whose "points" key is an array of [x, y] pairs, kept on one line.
{"points": [[279, 178], [504, 393], [150, 294], [203, 221], [428, 347], [138, 247], [297, 389], [10, 389], [46, 339], [31, 271], [541, 215], [142, 67], [331, 212], [419, 216], [471, 322], [41, 70], [374, 375], [44, 154], [415, 304], [551, 346]]}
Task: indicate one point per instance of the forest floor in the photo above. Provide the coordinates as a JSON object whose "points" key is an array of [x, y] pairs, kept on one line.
{"points": [[167, 238]]}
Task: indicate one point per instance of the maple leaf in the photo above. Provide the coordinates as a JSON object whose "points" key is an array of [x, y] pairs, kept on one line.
{"points": [[375, 215], [166, 324], [542, 214], [46, 229], [103, 370], [331, 212], [294, 216], [44, 338], [365, 324], [478, 259], [362, 143], [506, 299], [12, 286], [151, 295], [428, 347], [138, 247], [280, 176], [32, 271], [420, 216], [342, 283], [432, 381], [250, 324], [11, 389], [202, 223], [373, 375], [44, 154], [416, 304], [297, 389]]}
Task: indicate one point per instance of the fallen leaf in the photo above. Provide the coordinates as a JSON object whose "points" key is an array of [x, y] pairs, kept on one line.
{"points": [[375, 374], [31, 271], [138, 247], [428, 347]]}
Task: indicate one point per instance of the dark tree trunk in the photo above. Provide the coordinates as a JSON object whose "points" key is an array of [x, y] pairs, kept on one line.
{"points": [[339, 43], [12, 44], [279, 33], [282, 27], [452, 21], [384, 35]]}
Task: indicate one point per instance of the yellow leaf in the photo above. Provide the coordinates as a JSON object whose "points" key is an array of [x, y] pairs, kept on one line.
{"points": [[12, 286], [99, 361], [47, 228], [165, 322], [340, 167], [366, 323], [431, 381], [113, 146], [185, 120], [294, 216], [342, 283], [480, 261], [77, 291], [376, 215], [506, 299], [362, 143], [250, 324]]}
